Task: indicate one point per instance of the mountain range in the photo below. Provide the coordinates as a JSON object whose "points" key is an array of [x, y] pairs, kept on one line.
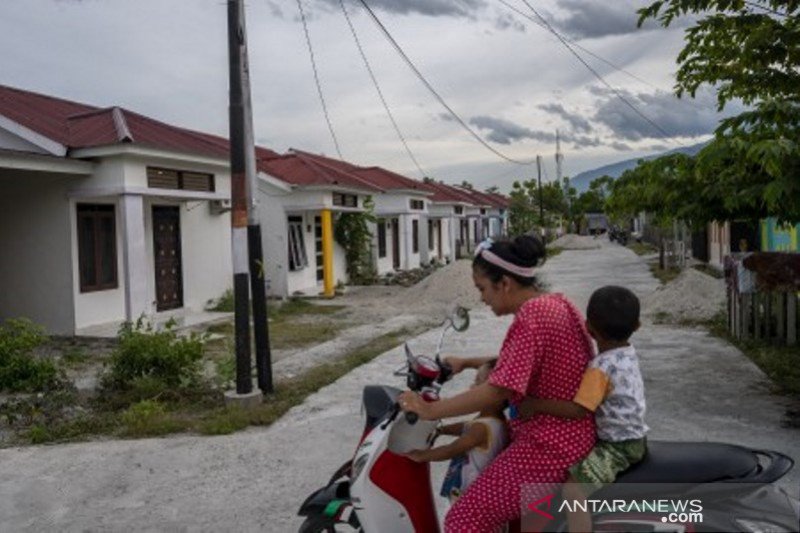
{"points": [[581, 181]]}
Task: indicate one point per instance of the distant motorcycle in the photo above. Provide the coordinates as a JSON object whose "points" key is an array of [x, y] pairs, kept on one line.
{"points": [[618, 234]]}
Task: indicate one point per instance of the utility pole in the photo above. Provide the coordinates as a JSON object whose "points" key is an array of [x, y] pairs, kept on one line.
{"points": [[541, 202], [246, 232]]}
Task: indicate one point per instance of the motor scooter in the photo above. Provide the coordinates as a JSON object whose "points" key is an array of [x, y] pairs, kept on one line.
{"points": [[381, 490]]}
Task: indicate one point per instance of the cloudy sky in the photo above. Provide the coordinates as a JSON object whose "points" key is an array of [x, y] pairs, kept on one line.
{"points": [[510, 80]]}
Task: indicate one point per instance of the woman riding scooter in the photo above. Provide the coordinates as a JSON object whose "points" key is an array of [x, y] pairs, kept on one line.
{"points": [[544, 354]]}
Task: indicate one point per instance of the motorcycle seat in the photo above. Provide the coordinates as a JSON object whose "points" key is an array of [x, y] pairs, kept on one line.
{"points": [[691, 462]]}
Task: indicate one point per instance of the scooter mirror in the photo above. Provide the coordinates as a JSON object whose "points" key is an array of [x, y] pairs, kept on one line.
{"points": [[460, 318]]}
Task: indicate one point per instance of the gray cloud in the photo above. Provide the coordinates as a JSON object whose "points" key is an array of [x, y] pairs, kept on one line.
{"points": [[503, 131], [577, 122], [620, 146], [684, 117], [434, 8], [596, 18], [506, 21]]}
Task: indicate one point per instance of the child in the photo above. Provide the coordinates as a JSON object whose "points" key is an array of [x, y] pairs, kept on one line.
{"points": [[612, 389], [479, 441]]}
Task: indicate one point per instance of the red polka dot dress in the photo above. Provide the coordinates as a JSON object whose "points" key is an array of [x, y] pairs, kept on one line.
{"points": [[544, 355]]}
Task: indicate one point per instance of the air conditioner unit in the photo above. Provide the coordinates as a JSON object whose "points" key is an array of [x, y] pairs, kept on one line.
{"points": [[220, 206]]}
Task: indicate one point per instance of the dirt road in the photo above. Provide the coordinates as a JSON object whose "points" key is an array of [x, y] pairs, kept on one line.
{"points": [[698, 388]]}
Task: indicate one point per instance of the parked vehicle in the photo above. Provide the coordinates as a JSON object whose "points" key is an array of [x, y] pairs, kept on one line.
{"points": [[381, 490]]}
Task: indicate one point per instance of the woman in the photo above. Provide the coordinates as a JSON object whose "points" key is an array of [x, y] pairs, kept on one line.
{"points": [[544, 354]]}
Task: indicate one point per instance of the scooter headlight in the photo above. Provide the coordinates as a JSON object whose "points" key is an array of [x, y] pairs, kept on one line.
{"points": [[760, 526], [358, 466]]}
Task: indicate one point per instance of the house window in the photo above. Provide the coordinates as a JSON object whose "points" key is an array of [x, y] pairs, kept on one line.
{"points": [[459, 210], [345, 200], [97, 247], [162, 178], [415, 236], [297, 244], [483, 211], [416, 205], [430, 235], [381, 238]]}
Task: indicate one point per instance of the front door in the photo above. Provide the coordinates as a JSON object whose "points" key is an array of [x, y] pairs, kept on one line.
{"points": [[396, 244], [439, 238], [167, 251]]}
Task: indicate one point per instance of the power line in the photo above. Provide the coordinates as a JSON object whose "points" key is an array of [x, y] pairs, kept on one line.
{"points": [[765, 8], [378, 88], [436, 95], [316, 79], [597, 75], [577, 45]]}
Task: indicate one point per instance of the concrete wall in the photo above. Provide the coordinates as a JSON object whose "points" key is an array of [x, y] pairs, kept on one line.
{"points": [[384, 265], [35, 236], [276, 204], [207, 269], [719, 243]]}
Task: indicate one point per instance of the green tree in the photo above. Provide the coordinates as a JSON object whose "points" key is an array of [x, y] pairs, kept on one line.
{"points": [[747, 50]]}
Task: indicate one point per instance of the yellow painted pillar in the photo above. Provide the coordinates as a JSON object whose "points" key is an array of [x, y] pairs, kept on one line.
{"points": [[327, 253]]}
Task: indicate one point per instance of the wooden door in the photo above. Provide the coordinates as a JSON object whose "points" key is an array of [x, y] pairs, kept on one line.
{"points": [[396, 243], [167, 252]]}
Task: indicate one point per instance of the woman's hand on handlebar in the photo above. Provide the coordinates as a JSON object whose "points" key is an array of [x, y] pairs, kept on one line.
{"points": [[456, 364], [413, 403]]}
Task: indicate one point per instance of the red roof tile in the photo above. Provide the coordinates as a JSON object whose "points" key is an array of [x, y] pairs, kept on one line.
{"points": [[78, 125], [298, 169], [377, 176], [444, 193]]}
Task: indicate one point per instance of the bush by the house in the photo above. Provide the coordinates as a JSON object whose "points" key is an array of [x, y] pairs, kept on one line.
{"points": [[20, 369], [158, 355]]}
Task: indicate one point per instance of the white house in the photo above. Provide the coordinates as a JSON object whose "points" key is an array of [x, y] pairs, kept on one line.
{"points": [[446, 219], [298, 195], [401, 231], [107, 215]]}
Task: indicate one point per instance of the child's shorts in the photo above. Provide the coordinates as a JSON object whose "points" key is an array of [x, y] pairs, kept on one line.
{"points": [[606, 461]]}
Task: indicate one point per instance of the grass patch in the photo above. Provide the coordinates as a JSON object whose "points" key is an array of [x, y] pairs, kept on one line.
{"points": [[149, 408], [780, 363], [223, 304], [289, 326], [553, 251], [664, 275], [292, 392], [642, 248], [296, 306]]}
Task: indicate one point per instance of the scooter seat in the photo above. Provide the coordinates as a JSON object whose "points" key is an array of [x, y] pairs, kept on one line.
{"points": [[691, 462]]}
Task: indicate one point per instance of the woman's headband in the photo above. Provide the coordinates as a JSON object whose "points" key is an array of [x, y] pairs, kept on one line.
{"points": [[483, 250]]}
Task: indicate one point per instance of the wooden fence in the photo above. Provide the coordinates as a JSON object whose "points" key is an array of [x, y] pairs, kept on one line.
{"points": [[762, 290]]}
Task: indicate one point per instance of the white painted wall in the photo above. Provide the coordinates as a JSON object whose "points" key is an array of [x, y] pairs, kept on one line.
{"points": [[207, 254], [97, 307], [35, 235], [384, 265], [274, 238]]}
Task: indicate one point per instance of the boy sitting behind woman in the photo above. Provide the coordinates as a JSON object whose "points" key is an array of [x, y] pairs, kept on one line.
{"points": [[612, 389]]}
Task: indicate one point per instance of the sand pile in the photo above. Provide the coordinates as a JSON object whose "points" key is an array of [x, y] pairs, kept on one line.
{"points": [[692, 296], [571, 241], [448, 286]]}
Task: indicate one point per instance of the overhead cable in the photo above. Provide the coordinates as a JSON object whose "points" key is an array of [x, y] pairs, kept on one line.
{"points": [[316, 79], [436, 95], [596, 74], [378, 88]]}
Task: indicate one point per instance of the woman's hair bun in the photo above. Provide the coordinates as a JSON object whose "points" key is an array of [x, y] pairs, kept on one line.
{"points": [[529, 249]]}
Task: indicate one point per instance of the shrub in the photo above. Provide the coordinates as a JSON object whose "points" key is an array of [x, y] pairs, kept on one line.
{"points": [[161, 355], [20, 370], [223, 304]]}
